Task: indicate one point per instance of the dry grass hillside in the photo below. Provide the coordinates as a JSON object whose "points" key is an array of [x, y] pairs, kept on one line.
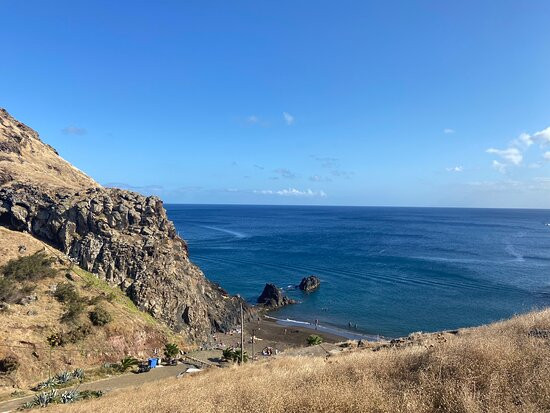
{"points": [[502, 367], [25, 159], [34, 315]]}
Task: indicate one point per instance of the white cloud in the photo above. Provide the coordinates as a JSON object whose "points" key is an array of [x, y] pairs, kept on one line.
{"points": [[448, 131], [546, 155], [455, 169], [541, 137], [252, 119], [285, 173], [73, 130], [524, 139], [292, 192], [511, 155], [319, 178], [326, 161], [289, 119], [342, 174], [499, 166]]}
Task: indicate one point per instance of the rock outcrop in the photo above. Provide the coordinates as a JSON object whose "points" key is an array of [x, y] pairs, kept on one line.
{"points": [[121, 236], [273, 297], [310, 283]]}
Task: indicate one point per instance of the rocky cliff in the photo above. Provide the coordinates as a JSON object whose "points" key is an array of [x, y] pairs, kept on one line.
{"points": [[121, 236]]}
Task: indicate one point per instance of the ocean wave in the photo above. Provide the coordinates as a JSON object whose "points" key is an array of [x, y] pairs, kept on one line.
{"points": [[236, 234], [353, 335], [514, 253]]}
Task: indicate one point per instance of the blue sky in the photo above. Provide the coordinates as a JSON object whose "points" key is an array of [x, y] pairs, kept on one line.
{"points": [[408, 103]]}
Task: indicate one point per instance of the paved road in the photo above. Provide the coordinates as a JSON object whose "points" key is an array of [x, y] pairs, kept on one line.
{"points": [[111, 383]]}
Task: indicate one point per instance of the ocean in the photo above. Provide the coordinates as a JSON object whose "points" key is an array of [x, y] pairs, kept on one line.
{"points": [[385, 271]]}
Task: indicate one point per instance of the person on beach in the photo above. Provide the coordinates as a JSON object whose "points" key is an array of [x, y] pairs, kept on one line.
{"points": [[316, 324]]}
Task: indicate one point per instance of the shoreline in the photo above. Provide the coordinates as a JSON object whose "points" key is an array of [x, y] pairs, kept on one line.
{"points": [[324, 329], [271, 332]]}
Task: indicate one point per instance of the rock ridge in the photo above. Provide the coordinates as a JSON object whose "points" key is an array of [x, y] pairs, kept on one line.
{"points": [[120, 236]]}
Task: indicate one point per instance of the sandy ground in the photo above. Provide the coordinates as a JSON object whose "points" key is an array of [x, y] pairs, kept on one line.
{"points": [[268, 333]]}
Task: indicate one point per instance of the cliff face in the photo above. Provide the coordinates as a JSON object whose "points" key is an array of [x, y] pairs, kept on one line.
{"points": [[122, 237]]}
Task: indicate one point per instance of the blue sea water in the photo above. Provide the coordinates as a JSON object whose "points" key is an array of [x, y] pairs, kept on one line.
{"points": [[391, 271]]}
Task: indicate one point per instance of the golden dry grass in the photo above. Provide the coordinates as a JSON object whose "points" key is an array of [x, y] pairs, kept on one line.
{"points": [[28, 160], [495, 368], [24, 329]]}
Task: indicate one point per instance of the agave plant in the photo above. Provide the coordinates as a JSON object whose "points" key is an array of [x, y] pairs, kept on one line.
{"points": [[228, 354], [237, 356], [45, 398], [64, 377], [51, 382], [78, 374], [28, 405], [70, 396]]}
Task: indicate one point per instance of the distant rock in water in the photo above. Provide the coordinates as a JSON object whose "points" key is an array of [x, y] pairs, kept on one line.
{"points": [[309, 283], [273, 297]]}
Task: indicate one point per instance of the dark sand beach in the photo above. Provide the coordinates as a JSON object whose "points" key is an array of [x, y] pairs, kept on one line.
{"points": [[268, 332]]}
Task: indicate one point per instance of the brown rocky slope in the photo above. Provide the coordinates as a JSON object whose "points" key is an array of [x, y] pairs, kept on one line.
{"points": [[121, 236]]}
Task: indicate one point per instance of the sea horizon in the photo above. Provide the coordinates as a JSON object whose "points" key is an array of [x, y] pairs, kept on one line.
{"points": [[344, 206]]}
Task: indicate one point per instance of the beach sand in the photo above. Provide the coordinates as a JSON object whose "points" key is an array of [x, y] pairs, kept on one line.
{"points": [[269, 333]]}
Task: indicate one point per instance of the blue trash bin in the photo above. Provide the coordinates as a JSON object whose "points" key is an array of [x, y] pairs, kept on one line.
{"points": [[153, 362]]}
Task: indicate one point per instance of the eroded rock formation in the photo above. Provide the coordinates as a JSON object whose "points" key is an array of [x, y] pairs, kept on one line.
{"points": [[310, 283], [121, 236], [273, 297]]}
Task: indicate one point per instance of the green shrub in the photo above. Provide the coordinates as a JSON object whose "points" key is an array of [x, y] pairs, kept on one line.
{"points": [[234, 355], [79, 332], [55, 340], [127, 363], [11, 290], [110, 297], [314, 340], [100, 316], [171, 350], [8, 364], [7, 289], [237, 356], [32, 267], [65, 292], [73, 309], [90, 394], [227, 354]]}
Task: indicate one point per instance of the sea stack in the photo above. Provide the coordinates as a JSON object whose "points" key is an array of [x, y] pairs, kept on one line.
{"points": [[310, 283], [273, 297]]}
